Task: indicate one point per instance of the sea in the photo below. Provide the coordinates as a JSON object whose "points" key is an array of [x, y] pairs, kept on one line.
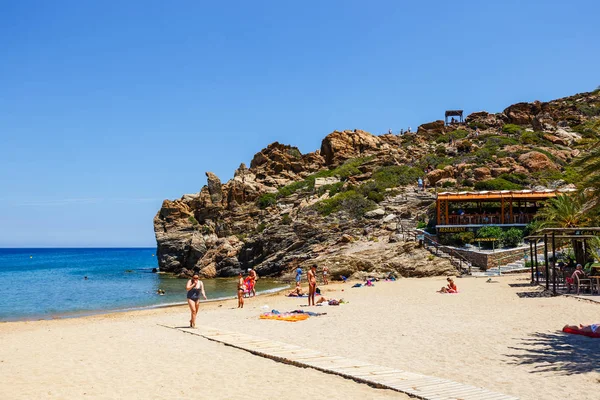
{"points": [[60, 283]]}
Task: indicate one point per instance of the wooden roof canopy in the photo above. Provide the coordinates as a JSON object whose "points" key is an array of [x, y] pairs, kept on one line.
{"points": [[454, 113], [527, 195]]}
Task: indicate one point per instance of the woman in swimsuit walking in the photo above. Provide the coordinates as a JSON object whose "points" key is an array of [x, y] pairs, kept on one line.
{"points": [[195, 287]]}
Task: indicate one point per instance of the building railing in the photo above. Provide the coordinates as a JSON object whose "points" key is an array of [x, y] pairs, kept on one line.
{"points": [[485, 219]]}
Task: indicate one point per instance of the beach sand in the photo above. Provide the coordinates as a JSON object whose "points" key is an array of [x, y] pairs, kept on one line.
{"points": [[488, 335]]}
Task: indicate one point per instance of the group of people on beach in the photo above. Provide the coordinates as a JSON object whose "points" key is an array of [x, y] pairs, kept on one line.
{"points": [[246, 286]]}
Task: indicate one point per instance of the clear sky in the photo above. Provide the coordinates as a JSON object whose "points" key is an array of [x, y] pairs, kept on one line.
{"points": [[109, 107]]}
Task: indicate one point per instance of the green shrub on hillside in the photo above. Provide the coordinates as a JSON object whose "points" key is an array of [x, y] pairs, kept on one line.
{"points": [[512, 129], [193, 220], [344, 171], [531, 138], [500, 141], [294, 152], [396, 175], [350, 201], [497, 184], [266, 200], [464, 146], [448, 184], [590, 110], [589, 129], [518, 178], [477, 125], [333, 189]]}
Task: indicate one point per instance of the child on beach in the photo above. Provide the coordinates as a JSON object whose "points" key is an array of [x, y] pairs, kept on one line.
{"points": [[450, 288], [325, 273]]}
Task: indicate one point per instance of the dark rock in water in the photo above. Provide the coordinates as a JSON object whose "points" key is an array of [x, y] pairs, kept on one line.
{"points": [[154, 270]]}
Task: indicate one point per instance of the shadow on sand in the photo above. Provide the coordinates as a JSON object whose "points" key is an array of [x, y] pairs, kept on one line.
{"points": [[558, 352]]}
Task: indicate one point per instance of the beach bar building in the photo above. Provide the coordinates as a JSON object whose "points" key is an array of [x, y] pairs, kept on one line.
{"points": [[468, 211]]}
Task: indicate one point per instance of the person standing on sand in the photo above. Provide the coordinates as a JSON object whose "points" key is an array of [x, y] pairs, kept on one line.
{"points": [[312, 284], [325, 273], [240, 290], [195, 287], [253, 279], [298, 274]]}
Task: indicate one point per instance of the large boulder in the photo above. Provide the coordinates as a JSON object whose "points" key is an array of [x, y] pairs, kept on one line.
{"points": [[536, 161], [432, 129], [340, 146]]}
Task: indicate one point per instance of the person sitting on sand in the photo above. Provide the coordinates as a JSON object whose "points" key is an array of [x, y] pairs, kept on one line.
{"points": [[591, 328], [297, 292], [450, 288]]}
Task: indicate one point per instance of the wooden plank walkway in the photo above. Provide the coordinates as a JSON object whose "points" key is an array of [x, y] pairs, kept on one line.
{"points": [[417, 385]]}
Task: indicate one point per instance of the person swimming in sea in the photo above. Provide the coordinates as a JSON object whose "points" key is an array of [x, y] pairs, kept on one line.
{"points": [[195, 288]]}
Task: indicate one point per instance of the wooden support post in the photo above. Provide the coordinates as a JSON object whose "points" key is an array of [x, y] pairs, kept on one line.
{"points": [[546, 260], [511, 212], [502, 210], [553, 263], [531, 259], [447, 216], [438, 212], [537, 269]]}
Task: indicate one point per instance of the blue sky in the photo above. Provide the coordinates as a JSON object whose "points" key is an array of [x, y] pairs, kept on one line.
{"points": [[107, 108]]}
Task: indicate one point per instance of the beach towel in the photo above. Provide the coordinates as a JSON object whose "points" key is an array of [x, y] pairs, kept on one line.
{"points": [[357, 285], [289, 317], [578, 332]]}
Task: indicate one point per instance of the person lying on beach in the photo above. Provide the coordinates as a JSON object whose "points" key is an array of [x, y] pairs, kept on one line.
{"points": [[592, 328], [331, 302], [297, 292], [450, 288]]}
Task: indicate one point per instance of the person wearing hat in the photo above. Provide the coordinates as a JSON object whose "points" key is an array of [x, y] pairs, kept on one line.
{"points": [[312, 284]]}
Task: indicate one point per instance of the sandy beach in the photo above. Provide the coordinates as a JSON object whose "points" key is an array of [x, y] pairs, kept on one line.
{"points": [[490, 335]]}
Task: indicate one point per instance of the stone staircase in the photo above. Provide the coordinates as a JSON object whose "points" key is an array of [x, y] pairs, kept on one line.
{"points": [[513, 267]]}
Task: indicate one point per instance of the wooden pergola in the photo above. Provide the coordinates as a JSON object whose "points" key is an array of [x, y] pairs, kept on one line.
{"points": [[454, 113], [579, 234], [506, 198]]}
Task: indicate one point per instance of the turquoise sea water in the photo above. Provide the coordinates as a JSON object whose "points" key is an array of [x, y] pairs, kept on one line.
{"points": [[49, 283]]}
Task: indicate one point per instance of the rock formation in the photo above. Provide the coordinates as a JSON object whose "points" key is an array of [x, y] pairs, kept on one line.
{"points": [[339, 205]]}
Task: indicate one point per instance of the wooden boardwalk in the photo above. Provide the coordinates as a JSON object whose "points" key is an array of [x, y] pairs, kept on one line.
{"points": [[420, 386]]}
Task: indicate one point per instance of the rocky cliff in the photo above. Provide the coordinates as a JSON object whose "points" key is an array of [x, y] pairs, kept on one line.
{"points": [[345, 204]]}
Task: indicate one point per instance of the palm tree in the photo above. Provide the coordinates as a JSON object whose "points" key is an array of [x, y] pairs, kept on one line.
{"points": [[565, 211], [589, 169]]}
